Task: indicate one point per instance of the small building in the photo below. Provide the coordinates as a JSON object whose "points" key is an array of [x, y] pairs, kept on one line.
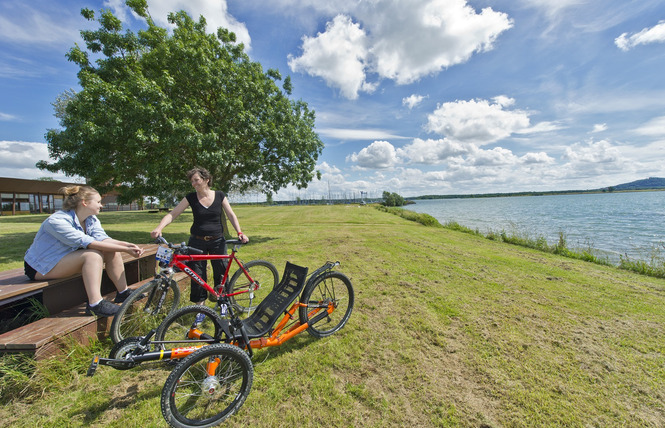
{"points": [[19, 196]]}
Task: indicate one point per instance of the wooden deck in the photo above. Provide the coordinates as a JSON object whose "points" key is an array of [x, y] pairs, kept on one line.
{"points": [[65, 300]]}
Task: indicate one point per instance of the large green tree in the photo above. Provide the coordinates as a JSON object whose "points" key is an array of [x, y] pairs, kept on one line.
{"points": [[153, 104]]}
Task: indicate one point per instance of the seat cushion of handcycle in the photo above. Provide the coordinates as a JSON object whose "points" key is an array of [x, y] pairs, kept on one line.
{"points": [[260, 322]]}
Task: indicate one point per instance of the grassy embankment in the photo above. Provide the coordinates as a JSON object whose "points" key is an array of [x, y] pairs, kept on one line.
{"points": [[449, 329]]}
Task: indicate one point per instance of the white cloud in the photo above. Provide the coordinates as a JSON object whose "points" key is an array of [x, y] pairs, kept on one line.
{"points": [[537, 158], [4, 117], [599, 127], [493, 157], [477, 121], [539, 128], [215, 12], [328, 169], [412, 100], [357, 134], [378, 155], [401, 41], [592, 152], [655, 34], [411, 40], [18, 159], [654, 127], [34, 24], [338, 56], [431, 152]]}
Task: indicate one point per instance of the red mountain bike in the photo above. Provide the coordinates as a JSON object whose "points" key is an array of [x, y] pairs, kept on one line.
{"points": [[148, 305]]}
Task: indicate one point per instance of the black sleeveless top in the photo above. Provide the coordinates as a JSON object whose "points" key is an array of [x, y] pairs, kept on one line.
{"points": [[207, 221]]}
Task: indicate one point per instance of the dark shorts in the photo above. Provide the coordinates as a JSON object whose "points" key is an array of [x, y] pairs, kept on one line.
{"points": [[29, 271]]}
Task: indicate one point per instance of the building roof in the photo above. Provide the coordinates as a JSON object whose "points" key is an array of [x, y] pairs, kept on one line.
{"points": [[19, 185]]}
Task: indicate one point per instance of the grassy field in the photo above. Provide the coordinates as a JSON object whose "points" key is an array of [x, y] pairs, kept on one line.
{"points": [[449, 329]]}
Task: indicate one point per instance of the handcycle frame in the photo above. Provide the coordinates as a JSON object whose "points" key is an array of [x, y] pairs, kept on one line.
{"points": [[172, 258], [214, 373], [232, 328]]}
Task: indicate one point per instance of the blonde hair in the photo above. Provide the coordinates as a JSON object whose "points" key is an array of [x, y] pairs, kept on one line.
{"points": [[74, 195]]}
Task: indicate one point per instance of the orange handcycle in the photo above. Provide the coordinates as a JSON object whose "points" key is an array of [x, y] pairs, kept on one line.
{"points": [[214, 347]]}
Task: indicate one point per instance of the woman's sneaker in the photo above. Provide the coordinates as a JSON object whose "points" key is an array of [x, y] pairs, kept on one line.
{"points": [[121, 297], [103, 309]]}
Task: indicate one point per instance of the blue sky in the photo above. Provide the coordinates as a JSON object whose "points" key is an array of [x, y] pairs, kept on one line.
{"points": [[411, 96]]}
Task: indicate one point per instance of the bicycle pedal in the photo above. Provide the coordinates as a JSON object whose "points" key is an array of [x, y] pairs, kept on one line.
{"points": [[93, 367]]}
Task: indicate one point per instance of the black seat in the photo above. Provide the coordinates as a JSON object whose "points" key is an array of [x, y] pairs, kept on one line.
{"points": [[260, 322]]}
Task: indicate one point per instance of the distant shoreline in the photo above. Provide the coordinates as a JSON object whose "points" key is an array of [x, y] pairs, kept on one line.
{"points": [[550, 193]]}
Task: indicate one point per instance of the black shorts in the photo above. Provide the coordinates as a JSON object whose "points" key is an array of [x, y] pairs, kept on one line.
{"points": [[29, 271]]}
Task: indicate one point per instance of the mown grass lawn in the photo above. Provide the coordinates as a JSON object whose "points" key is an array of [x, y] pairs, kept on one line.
{"points": [[449, 329]]}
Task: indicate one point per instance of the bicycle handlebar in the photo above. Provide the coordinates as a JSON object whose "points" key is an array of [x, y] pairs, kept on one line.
{"points": [[182, 248], [185, 248]]}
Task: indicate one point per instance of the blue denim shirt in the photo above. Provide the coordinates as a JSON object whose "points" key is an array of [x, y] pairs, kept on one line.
{"points": [[60, 234]]}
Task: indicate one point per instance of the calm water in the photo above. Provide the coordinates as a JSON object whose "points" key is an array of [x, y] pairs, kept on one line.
{"points": [[613, 224]]}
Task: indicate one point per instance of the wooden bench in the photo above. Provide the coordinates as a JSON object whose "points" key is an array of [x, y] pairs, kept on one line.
{"points": [[65, 299]]}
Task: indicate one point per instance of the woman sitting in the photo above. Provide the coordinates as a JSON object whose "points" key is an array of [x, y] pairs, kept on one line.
{"points": [[72, 241]]}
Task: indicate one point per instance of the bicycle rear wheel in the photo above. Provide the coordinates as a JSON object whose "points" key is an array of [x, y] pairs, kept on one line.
{"points": [[207, 387], [329, 288], [264, 277], [145, 309], [178, 327]]}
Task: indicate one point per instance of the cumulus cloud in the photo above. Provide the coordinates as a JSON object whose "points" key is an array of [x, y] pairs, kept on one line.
{"points": [[215, 12], [378, 155], [412, 100], [655, 34], [477, 121], [434, 151], [18, 159], [415, 39], [537, 158], [493, 157], [401, 41], [325, 168], [592, 152], [337, 55]]}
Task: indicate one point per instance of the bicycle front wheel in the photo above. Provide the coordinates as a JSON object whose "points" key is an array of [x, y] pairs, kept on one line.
{"points": [[207, 387], [145, 309], [330, 289], [263, 277], [186, 324]]}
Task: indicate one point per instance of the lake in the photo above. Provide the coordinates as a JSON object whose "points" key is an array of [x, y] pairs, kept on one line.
{"points": [[613, 224]]}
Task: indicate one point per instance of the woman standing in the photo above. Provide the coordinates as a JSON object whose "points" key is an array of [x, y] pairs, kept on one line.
{"points": [[72, 241], [207, 232]]}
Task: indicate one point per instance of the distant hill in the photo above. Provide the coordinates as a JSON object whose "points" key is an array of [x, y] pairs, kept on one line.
{"points": [[647, 183]]}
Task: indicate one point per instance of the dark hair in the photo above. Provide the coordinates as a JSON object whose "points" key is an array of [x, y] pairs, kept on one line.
{"points": [[75, 194], [204, 173]]}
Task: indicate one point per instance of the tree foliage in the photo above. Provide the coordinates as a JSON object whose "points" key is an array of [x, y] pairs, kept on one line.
{"points": [[392, 199], [153, 104]]}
